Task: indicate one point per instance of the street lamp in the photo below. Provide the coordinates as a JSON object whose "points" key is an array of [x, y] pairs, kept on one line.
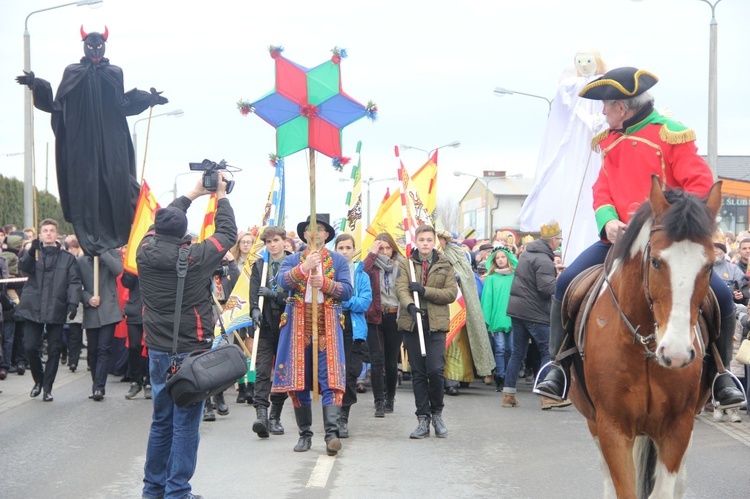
{"points": [[174, 188], [713, 133], [177, 113], [486, 181], [500, 91], [28, 117], [453, 144]]}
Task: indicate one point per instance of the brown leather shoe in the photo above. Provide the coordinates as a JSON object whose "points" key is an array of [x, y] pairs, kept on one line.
{"points": [[509, 400], [549, 403]]}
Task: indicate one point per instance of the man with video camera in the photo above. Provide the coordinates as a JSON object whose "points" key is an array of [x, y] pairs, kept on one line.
{"points": [[173, 441]]}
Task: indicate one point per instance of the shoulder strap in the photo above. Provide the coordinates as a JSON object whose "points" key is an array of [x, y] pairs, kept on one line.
{"points": [[182, 266]]}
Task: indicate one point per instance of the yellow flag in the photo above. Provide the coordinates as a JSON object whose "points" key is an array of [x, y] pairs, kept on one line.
{"points": [[145, 211], [209, 225], [352, 224], [390, 217]]}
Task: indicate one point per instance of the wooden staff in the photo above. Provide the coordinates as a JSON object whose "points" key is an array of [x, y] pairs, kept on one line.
{"points": [[261, 301], [312, 244], [145, 149], [96, 276]]}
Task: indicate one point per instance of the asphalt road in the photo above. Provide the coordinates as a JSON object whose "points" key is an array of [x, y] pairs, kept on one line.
{"points": [[77, 448]]}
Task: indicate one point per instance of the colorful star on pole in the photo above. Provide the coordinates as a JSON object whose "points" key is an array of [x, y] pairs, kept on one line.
{"points": [[308, 107]]}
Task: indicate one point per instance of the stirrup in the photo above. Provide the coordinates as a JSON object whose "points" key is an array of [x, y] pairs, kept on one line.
{"points": [[551, 364], [737, 384]]}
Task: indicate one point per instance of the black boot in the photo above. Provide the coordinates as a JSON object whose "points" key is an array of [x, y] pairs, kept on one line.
{"points": [[303, 415], [390, 403], [221, 406], [331, 415], [241, 398], [344, 422], [274, 419], [249, 392], [379, 409], [725, 393], [208, 411], [553, 385], [423, 428], [260, 426]]}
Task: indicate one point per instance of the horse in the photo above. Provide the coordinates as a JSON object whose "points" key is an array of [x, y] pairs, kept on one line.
{"points": [[642, 380]]}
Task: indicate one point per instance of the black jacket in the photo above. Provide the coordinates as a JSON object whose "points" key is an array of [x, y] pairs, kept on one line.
{"points": [[272, 309], [54, 283], [133, 308], [533, 284], [157, 273]]}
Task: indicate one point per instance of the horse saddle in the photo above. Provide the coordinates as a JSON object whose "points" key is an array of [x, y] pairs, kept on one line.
{"points": [[578, 301]]}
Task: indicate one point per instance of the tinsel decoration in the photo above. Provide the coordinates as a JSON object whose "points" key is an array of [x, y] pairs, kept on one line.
{"points": [[275, 160], [275, 51], [338, 54], [371, 111], [309, 111], [340, 162], [245, 107]]}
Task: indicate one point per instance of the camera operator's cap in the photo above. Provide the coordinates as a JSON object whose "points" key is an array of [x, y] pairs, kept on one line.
{"points": [[551, 229], [619, 84], [170, 221], [321, 220]]}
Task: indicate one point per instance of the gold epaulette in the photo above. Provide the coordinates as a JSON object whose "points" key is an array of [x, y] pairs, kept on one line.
{"points": [[671, 137], [598, 138]]}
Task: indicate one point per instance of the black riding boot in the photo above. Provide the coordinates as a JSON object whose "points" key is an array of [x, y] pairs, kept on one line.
{"points": [[331, 415], [725, 393], [260, 426], [553, 385], [303, 415], [344, 422], [274, 419]]}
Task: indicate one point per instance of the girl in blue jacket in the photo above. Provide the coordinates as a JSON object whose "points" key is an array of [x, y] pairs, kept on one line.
{"points": [[355, 327]]}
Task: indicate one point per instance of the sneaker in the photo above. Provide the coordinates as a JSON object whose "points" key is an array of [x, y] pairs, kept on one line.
{"points": [[208, 412], [147, 394], [423, 428], [441, 431], [734, 415], [135, 389], [718, 415]]}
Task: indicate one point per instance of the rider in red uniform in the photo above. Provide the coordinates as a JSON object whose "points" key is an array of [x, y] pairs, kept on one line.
{"points": [[640, 142]]}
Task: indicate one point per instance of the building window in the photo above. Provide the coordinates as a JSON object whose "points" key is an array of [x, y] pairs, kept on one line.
{"points": [[734, 214]]}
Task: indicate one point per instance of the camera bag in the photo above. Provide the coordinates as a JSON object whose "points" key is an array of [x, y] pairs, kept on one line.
{"points": [[202, 373]]}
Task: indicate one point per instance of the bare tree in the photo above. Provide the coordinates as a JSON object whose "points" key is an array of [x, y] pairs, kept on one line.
{"points": [[447, 213]]}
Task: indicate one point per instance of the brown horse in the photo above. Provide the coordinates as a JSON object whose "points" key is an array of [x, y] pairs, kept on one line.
{"points": [[641, 397]]}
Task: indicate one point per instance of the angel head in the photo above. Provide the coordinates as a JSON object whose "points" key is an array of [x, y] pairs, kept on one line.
{"points": [[588, 62]]}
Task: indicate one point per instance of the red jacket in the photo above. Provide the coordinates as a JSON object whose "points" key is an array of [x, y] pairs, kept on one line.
{"points": [[656, 145]]}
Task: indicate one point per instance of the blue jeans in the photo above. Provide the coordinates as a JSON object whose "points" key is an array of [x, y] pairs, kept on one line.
{"points": [[522, 331], [502, 347], [172, 450]]}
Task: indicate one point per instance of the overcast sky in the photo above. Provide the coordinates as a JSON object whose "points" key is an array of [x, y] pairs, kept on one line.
{"points": [[431, 66]]}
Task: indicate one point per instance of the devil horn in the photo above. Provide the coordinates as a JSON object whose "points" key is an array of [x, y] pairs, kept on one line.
{"points": [[83, 33], [106, 33]]}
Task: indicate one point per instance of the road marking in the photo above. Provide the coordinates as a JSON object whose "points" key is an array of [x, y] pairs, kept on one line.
{"points": [[321, 472]]}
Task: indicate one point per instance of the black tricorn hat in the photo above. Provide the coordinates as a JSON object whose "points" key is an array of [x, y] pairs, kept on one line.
{"points": [[618, 84], [322, 219]]}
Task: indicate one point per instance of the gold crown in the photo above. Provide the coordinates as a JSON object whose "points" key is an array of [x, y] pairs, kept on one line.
{"points": [[550, 229], [719, 237], [527, 239]]}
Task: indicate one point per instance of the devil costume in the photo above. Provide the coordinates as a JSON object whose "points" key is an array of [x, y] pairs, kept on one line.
{"points": [[96, 173]]}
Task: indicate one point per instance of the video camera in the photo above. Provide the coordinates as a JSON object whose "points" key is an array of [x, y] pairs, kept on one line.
{"points": [[211, 171]]}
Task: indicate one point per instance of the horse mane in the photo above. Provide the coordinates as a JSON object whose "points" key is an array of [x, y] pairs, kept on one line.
{"points": [[686, 218]]}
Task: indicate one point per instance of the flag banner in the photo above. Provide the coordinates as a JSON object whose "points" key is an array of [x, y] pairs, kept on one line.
{"points": [[458, 318], [389, 217], [145, 211], [274, 211], [209, 226], [352, 224]]}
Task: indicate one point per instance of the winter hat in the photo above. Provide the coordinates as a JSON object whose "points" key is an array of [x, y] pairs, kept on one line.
{"points": [[470, 243], [14, 243], [170, 221]]}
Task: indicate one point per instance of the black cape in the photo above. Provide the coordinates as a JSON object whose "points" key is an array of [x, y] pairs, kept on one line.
{"points": [[96, 174]]}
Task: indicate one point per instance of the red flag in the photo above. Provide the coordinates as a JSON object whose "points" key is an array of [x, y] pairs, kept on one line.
{"points": [[145, 210]]}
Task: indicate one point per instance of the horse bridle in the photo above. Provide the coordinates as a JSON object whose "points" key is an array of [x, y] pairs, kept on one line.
{"points": [[645, 267]]}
